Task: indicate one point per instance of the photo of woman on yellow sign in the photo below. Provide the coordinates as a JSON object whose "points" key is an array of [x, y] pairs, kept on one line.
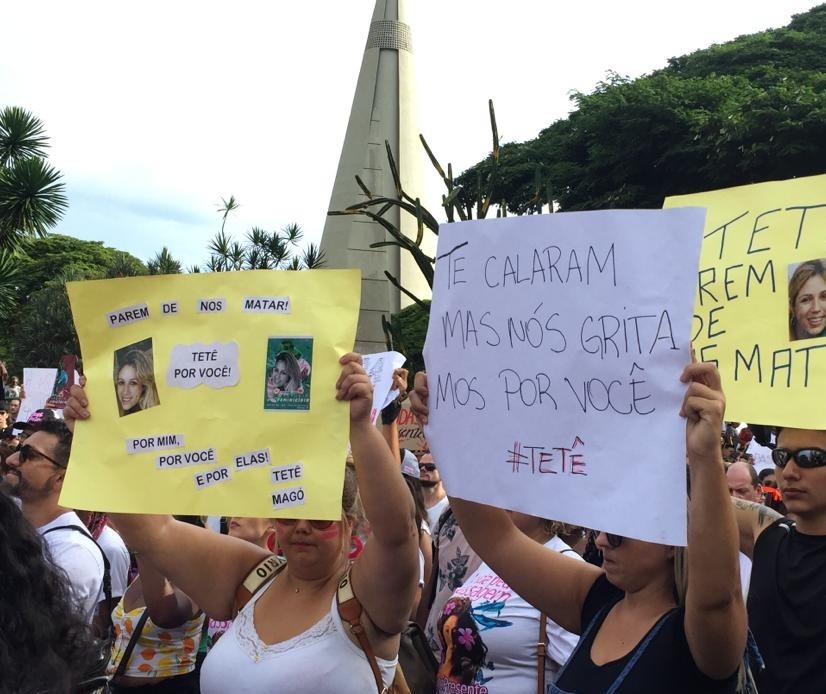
{"points": [[135, 378], [288, 373], [807, 300]]}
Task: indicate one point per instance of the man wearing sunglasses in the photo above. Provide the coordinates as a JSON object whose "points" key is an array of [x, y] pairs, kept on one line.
{"points": [[34, 474], [435, 496], [787, 596]]}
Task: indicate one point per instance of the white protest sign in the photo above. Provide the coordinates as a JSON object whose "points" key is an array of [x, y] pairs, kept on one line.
{"points": [[553, 353], [38, 385], [379, 368]]}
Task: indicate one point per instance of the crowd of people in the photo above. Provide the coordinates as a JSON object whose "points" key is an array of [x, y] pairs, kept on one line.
{"points": [[500, 601]]}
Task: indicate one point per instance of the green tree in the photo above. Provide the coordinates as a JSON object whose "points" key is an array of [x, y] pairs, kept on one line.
{"points": [[164, 264], [44, 331], [32, 195], [750, 110], [261, 250], [37, 315]]}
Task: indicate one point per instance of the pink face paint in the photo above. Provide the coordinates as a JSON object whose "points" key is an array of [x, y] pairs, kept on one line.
{"points": [[330, 532]]}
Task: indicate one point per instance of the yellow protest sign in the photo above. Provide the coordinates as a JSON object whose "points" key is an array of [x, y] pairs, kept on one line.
{"points": [[213, 393], [760, 309]]}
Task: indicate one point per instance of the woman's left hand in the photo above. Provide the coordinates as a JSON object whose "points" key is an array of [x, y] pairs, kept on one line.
{"points": [[703, 407], [354, 386]]}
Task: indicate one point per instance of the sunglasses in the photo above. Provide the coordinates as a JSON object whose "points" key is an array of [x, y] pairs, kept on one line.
{"points": [[430, 467], [316, 524], [614, 541], [804, 457], [28, 452]]}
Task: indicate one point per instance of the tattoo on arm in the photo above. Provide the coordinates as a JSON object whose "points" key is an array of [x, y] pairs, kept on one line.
{"points": [[760, 514], [766, 516]]}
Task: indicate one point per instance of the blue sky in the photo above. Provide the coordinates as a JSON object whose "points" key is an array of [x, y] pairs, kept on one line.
{"points": [[157, 110]]}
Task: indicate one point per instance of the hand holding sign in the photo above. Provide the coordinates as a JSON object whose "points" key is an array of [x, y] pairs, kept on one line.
{"points": [[703, 407], [190, 351], [354, 386]]}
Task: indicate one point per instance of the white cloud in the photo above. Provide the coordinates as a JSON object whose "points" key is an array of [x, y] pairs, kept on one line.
{"points": [[157, 110]]}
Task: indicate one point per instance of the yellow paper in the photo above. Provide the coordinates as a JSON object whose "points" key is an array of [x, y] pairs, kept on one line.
{"points": [[272, 406], [773, 370]]}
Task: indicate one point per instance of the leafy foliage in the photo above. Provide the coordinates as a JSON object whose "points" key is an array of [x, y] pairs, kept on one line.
{"points": [[261, 250], [164, 264], [750, 110], [32, 194], [37, 314]]}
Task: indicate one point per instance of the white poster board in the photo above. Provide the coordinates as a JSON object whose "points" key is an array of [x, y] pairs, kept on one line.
{"points": [[553, 353], [38, 385]]}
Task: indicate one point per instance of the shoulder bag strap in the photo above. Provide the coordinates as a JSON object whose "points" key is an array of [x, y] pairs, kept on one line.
{"points": [[541, 653], [133, 641], [350, 610], [262, 572], [107, 572]]}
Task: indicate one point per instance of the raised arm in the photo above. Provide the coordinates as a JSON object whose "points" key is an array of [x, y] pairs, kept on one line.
{"points": [[168, 606], [715, 615], [548, 580], [205, 565], [385, 575]]}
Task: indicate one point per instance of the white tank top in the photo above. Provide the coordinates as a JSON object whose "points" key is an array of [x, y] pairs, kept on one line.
{"points": [[320, 660]]}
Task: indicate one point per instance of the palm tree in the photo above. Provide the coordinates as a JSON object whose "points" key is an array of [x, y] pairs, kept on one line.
{"points": [[164, 264], [9, 276], [32, 195], [261, 250]]}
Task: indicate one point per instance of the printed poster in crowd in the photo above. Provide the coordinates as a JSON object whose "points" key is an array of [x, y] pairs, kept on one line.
{"points": [[214, 393], [554, 352], [760, 306], [63, 381]]}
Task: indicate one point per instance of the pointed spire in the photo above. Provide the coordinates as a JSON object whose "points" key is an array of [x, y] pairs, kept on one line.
{"points": [[384, 109]]}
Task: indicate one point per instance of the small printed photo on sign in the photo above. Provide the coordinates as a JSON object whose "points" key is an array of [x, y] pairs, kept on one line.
{"points": [[807, 299], [134, 375], [288, 373]]}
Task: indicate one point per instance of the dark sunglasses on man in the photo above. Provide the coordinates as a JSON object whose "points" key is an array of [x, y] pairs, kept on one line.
{"points": [[28, 452], [614, 541], [804, 457], [430, 467]]}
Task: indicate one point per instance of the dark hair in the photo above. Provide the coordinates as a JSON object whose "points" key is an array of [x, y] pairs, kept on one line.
{"points": [[762, 434], [467, 657], [415, 487], [45, 644], [764, 473], [58, 428]]}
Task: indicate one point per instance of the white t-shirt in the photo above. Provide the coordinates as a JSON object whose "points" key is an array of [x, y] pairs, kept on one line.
{"points": [[117, 554], [435, 512], [492, 635], [745, 574], [75, 552]]}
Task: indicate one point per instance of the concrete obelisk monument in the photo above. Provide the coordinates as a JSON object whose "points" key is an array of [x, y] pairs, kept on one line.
{"points": [[384, 108]]}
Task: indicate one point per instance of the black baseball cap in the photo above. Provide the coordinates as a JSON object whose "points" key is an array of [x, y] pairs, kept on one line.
{"points": [[36, 417]]}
